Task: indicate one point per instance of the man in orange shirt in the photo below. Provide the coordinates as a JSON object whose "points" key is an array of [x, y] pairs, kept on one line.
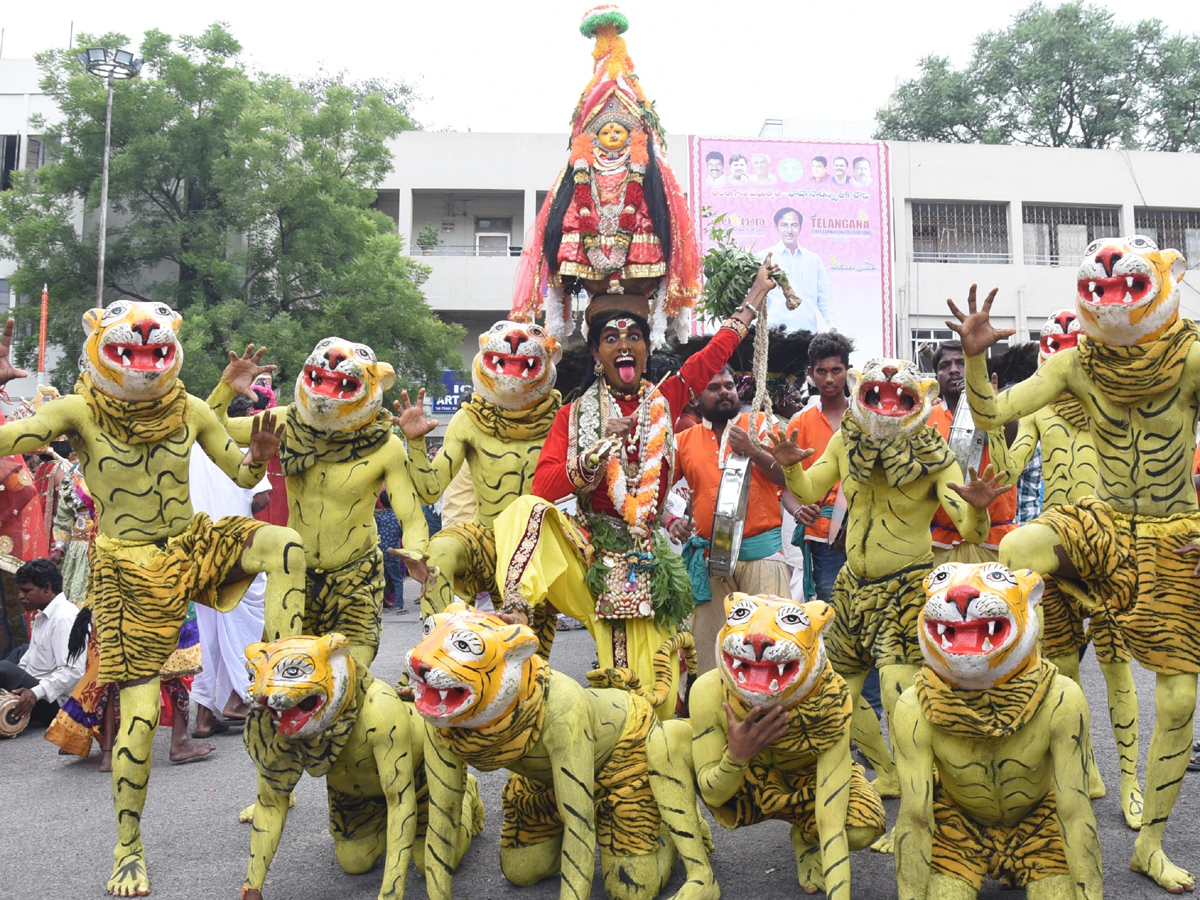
{"points": [[760, 568], [948, 545]]}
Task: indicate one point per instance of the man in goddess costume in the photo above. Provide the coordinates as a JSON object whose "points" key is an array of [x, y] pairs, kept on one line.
{"points": [[1136, 371], [132, 424], [615, 227], [895, 471], [498, 434], [337, 450], [1070, 471]]}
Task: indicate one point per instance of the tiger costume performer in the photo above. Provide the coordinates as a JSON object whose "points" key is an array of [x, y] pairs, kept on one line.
{"points": [[771, 656], [991, 746], [337, 449], [132, 425], [1136, 372], [498, 434], [895, 472], [589, 765], [1070, 471], [315, 709]]}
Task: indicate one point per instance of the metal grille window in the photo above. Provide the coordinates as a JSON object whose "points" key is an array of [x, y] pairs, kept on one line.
{"points": [[926, 340], [960, 232], [1177, 229], [1054, 235]]}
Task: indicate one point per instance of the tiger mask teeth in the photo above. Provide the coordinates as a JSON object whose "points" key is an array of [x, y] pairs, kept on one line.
{"points": [[133, 350], [341, 385], [889, 398], [515, 367]]}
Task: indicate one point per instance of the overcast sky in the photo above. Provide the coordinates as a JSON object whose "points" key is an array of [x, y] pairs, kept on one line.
{"points": [[711, 67]]}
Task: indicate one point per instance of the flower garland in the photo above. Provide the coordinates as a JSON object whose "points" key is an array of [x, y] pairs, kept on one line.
{"points": [[634, 488]]}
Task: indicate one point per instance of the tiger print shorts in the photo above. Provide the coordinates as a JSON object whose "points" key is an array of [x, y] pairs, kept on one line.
{"points": [[1028, 851], [348, 600], [875, 621], [1130, 570], [626, 813], [1063, 632], [139, 592], [768, 794]]}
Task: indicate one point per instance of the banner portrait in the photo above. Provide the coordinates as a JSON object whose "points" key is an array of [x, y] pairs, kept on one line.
{"points": [[823, 212]]}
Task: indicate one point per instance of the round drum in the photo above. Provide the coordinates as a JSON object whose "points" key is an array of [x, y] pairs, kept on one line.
{"points": [[10, 724], [729, 517]]}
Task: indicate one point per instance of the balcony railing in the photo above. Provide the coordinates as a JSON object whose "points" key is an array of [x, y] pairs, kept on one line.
{"points": [[465, 250], [960, 256]]}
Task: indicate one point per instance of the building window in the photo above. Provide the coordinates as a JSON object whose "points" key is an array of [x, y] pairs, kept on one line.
{"points": [[1177, 229], [960, 232], [1057, 234], [10, 158]]}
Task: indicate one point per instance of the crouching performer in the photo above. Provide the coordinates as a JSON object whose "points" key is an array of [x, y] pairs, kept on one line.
{"points": [[1136, 371], [317, 710], [772, 738], [337, 449], [498, 433], [132, 424], [991, 746], [590, 765]]}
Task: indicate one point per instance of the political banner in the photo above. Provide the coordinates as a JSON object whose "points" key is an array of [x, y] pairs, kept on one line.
{"points": [[823, 211]]}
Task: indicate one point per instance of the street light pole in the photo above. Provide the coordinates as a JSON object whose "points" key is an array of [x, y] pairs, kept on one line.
{"points": [[112, 66], [104, 194]]}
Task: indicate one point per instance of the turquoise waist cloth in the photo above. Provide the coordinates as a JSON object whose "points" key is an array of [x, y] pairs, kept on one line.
{"points": [[695, 551]]}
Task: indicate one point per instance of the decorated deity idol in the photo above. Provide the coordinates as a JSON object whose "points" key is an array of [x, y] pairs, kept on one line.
{"points": [[132, 425], [1136, 373], [895, 471], [613, 448], [988, 746], [1070, 471], [337, 451]]}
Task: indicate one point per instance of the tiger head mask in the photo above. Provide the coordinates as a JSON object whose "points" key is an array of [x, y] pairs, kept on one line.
{"points": [[979, 626], [341, 386], [1127, 290], [1061, 332], [471, 668], [515, 365], [132, 350], [302, 682], [770, 651], [889, 399]]}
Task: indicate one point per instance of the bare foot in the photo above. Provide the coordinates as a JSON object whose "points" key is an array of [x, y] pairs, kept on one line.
{"points": [[129, 878], [1152, 861], [186, 749], [235, 708], [884, 844], [105, 760], [1131, 805], [887, 785]]}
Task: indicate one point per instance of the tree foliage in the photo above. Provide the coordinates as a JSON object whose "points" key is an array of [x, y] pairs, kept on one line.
{"points": [[244, 202], [1065, 77]]}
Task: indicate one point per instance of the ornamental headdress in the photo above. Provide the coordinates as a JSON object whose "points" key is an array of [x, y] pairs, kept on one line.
{"points": [[615, 225]]}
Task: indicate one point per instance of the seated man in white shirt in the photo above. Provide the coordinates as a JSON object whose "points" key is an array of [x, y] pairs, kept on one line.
{"points": [[44, 676], [808, 278]]}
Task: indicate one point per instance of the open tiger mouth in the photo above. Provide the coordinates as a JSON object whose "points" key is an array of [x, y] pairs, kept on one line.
{"points": [[760, 676], [974, 636], [332, 384], [887, 398], [1116, 290], [512, 364], [437, 703], [1053, 343], [140, 357], [289, 721]]}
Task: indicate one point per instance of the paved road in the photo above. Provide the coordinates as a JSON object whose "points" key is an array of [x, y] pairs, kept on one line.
{"points": [[58, 832]]}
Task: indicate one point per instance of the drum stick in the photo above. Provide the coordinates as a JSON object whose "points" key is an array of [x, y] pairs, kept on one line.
{"points": [[653, 391]]}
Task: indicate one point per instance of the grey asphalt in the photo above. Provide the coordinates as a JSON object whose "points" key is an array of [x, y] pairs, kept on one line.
{"points": [[57, 827]]}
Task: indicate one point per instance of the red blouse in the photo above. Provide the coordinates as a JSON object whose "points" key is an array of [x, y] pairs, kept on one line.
{"points": [[550, 479]]}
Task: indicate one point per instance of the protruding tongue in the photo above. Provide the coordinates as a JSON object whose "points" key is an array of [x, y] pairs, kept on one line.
{"points": [[627, 372]]}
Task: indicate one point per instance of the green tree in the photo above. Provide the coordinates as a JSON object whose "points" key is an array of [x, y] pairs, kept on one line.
{"points": [[245, 203], [1065, 77]]}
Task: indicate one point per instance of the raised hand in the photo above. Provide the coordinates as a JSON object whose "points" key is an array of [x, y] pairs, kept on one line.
{"points": [[410, 417], [983, 488], [753, 734], [619, 426], [8, 372], [975, 327], [786, 451], [242, 370], [265, 436]]}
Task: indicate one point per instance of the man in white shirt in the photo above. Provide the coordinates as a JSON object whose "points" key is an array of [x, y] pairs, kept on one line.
{"points": [[43, 676], [808, 278]]}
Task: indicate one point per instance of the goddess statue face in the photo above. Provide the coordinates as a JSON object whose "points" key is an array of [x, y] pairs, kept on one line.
{"points": [[612, 137]]}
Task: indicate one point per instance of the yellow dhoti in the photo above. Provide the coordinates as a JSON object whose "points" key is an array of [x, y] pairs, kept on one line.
{"points": [[543, 556]]}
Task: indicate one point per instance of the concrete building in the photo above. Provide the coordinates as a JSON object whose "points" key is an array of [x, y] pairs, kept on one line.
{"points": [[1016, 218]]}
